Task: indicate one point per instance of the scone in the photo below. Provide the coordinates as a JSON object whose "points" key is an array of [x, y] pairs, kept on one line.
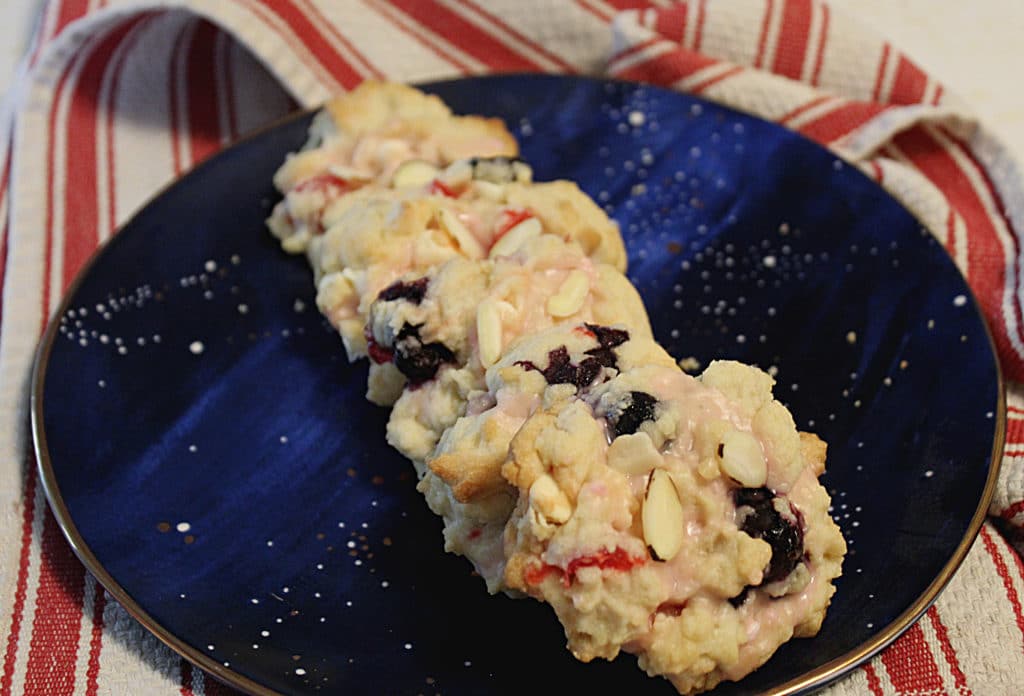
{"points": [[675, 518], [362, 138], [439, 332], [486, 210], [463, 481]]}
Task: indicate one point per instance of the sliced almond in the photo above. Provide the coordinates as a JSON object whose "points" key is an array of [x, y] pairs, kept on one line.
{"points": [[464, 239], [662, 517], [570, 296], [457, 174], [413, 174], [549, 500], [633, 454], [488, 332], [522, 172], [742, 460], [494, 192], [348, 173], [516, 237]]}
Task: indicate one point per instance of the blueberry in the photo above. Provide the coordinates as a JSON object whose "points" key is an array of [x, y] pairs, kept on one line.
{"points": [[560, 369], [640, 409], [414, 291], [607, 338], [419, 361], [764, 522]]}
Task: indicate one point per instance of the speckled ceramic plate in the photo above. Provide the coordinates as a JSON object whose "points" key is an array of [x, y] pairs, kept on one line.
{"points": [[208, 452]]}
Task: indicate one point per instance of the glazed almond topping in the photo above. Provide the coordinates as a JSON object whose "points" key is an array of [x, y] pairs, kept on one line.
{"points": [[515, 237], [741, 459], [414, 174], [570, 296], [489, 332], [662, 517]]}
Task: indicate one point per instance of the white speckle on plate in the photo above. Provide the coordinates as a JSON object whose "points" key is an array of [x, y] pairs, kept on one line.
{"points": [[192, 448], [299, 671], [768, 261], [196, 347], [183, 527], [959, 300], [851, 337], [243, 309], [636, 118], [299, 306]]}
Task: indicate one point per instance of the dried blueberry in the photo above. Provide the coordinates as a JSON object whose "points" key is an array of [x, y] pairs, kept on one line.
{"points": [[419, 361], [413, 291], [640, 409], [560, 369], [762, 521], [607, 338]]}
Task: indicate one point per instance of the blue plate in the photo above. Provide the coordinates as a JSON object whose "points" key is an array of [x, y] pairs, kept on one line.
{"points": [[208, 452]]}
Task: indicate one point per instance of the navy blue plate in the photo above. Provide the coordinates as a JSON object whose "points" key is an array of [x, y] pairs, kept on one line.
{"points": [[209, 454]]}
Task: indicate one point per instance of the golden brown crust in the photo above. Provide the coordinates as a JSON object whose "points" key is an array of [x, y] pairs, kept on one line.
{"points": [[472, 473], [813, 450], [391, 109]]}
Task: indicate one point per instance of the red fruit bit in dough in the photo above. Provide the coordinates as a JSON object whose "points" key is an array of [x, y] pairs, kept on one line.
{"points": [[617, 559], [438, 186], [378, 353], [326, 183], [508, 220], [475, 533]]}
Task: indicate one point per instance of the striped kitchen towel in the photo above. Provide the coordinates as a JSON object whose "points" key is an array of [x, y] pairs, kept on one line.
{"points": [[117, 97]]}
